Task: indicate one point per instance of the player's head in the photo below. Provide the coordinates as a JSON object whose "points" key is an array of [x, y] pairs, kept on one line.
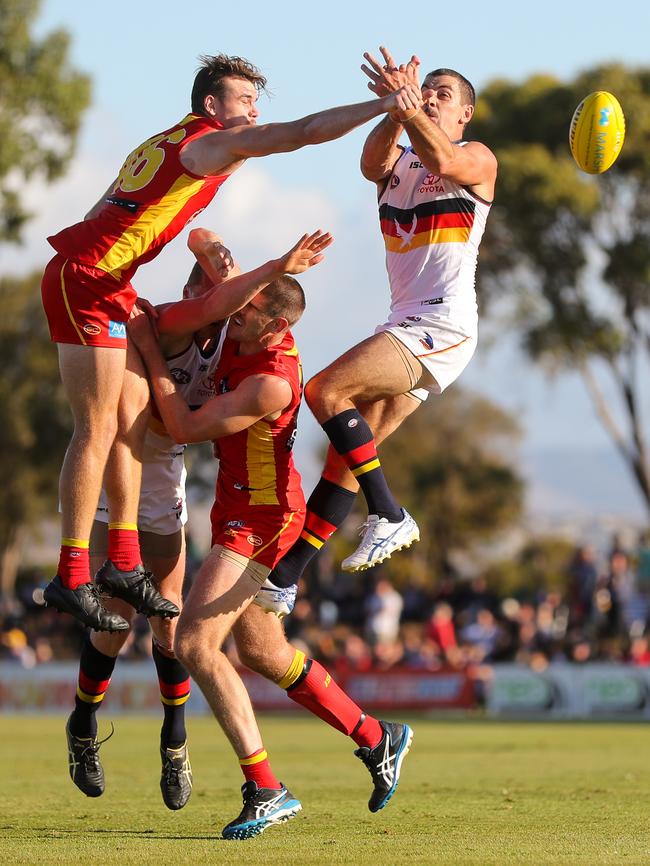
{"points": [[449, 100], [197, 283], [270, 314], [226, 89]]}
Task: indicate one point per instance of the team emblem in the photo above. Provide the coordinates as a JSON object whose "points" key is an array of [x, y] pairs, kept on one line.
{"points": [[93, 330], [255, 540], [180, 376]]}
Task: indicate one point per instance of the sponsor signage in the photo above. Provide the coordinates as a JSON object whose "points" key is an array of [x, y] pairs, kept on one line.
{"points": [[134, 687], [567, 691]]}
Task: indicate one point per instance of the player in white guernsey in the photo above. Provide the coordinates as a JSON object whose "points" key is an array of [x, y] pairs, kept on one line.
{"points": [[434, 198]]}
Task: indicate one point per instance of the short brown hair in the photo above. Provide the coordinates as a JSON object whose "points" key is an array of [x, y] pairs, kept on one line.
{"points": [[197, 279], [467, 91], [213, 69], [284, 298]]}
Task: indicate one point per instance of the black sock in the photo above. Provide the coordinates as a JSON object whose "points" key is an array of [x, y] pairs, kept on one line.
{"points": [[95, 670], [327, 508], [352, 439], [174, 682]]}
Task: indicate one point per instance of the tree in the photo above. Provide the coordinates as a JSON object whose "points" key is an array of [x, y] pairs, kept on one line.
{"points": [[34, 417], [575, 249], [42, 100], [450, 464]]}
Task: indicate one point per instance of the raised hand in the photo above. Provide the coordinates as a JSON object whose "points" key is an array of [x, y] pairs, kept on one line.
{"points": [[389, 77], [306, 253], [211, 252], [220, 258]]}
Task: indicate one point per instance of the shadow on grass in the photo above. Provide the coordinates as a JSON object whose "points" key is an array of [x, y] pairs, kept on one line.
{"points": [[65, 833]]}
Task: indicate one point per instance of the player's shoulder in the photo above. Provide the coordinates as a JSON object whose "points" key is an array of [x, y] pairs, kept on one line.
{"points": [[478, 148]]}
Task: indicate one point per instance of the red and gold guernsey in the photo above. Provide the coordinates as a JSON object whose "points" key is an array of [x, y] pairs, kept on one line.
{"points": [[256, 465], [153, 199]]}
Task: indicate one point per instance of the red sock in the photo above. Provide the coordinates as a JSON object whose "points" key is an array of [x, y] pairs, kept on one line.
{"points": [[74, 563], [319, 694], [256, 768], [124, 545]]}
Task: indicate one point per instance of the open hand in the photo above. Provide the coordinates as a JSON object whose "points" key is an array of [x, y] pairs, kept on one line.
{"points": [[389, 77], [306, 253]]}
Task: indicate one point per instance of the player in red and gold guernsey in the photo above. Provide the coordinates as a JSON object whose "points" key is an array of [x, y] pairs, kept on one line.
{"points": [[259, 512], [257, 478], [88, 297]]}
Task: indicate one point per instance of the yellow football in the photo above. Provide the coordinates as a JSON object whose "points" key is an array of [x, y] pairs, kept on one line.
{"points": [[597, 132]]}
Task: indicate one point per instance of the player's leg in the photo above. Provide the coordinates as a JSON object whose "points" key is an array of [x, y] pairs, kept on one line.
{"points": [[333, 396], [333, 497], [92, 378], [263, 647], [165, 556], [96, 663], [122, 574], [223, 588]]}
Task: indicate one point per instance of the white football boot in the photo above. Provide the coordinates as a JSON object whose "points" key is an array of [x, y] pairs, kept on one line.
{"points": [[380, 540]]}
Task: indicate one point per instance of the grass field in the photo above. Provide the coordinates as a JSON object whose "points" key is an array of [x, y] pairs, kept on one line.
{"points": [[471, 793]]}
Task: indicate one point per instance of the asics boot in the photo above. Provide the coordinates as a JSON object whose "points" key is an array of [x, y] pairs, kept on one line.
{"points": [[176, 776], [380, 540], [385, 762], [263, 807]]}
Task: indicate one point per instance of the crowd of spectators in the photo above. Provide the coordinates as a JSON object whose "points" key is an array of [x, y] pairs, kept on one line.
{"points": [[361, 621]]}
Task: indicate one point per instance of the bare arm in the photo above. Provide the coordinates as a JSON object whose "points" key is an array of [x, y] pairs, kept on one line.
{"points": [[212, 153], [192, 314], [472, 164], [381, 150], [255, 398]]}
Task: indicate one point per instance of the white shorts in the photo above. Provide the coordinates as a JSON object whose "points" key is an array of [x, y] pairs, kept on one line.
{"points": [[442, 346], [163, 506]]}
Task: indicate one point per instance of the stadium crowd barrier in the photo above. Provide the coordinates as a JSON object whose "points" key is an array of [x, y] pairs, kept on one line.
{"points": [[566, 691], [134, 688]]}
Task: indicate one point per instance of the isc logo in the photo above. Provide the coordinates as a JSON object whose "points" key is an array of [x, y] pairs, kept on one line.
{"points": [[117, 330]]}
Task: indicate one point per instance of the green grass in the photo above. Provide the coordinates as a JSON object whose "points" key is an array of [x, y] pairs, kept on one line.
{"points": [[471, 793]]}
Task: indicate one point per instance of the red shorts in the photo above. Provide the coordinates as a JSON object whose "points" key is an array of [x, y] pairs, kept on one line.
{"points": [[85, 306], [263, 533]]}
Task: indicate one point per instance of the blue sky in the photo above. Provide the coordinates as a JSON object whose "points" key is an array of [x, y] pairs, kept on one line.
{"points": [[142, 59]]}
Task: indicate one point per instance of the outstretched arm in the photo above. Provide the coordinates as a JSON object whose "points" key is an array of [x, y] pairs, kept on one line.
{"points": [[192, 314], [214, 152], [255, 398]]}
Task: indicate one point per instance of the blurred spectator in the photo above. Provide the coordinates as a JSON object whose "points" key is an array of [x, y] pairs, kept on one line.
{"points": [[384, 609], [483, 633], [440, 628], [582, 574], [640, 652], [356, 622]]}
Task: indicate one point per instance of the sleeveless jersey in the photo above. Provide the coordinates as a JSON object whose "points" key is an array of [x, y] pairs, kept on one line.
{"points": [[154, 198], [256, 465], [432, 228]]}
